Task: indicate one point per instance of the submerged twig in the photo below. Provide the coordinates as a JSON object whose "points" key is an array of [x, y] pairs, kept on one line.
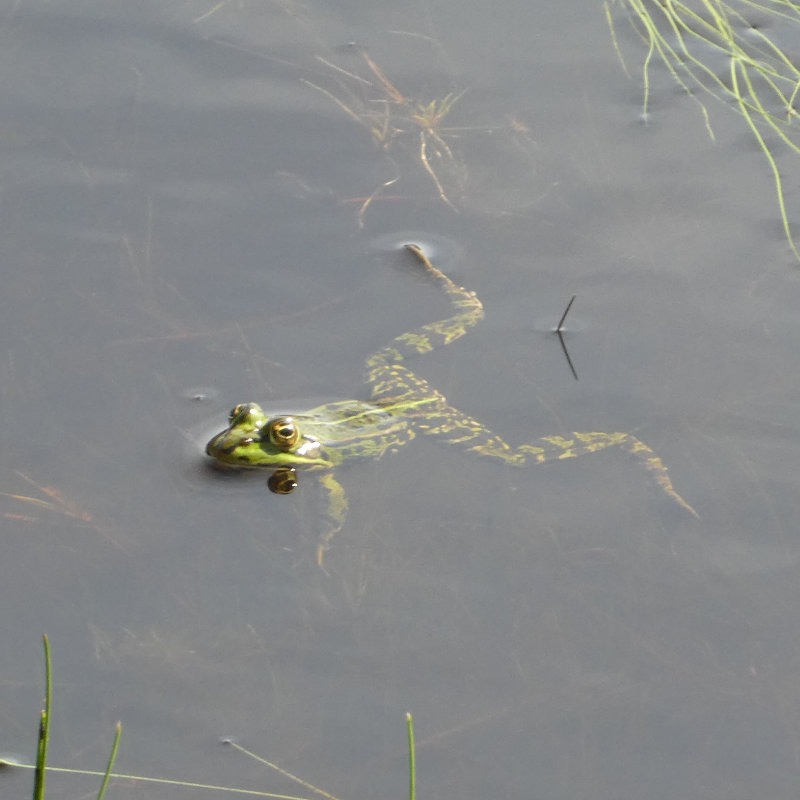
{"points": [[376, 104], [285, 772]]}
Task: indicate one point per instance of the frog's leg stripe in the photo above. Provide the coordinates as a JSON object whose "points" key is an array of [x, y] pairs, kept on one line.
{"points": [[469, 311], [457, 428], [336, 511], [394, 383]]}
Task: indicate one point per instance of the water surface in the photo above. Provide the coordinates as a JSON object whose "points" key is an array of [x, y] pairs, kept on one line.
{"points": [[186, 228]]}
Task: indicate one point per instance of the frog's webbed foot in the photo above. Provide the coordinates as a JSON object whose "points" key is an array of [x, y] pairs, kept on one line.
{"points": [[560, 447], [336, 508], [657, 469], [454, 427]]}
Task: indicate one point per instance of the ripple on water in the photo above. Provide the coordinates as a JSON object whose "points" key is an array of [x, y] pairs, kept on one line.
{"points": [[549, 324], [439, 249], [201, 395]]}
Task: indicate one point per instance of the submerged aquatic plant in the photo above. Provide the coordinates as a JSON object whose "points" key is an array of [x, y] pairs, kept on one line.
{"points": [[759, 79], [375, 103]]}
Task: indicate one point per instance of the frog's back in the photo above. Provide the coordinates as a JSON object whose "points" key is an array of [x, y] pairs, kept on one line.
{"points": [[352, 429]]}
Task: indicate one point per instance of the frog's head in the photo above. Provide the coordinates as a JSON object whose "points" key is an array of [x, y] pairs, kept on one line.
{"points": [[254, 440]]}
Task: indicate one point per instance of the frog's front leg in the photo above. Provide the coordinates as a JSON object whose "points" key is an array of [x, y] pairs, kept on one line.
{"points": [[457, 428], [336, 510]]}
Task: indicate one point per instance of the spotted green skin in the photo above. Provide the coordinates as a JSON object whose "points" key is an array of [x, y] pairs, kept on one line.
{"points": [[331, 434], [402, 404]]}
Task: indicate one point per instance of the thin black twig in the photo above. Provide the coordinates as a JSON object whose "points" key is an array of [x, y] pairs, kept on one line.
{"points": [[559, 330], [566, 354], [560, 326]]}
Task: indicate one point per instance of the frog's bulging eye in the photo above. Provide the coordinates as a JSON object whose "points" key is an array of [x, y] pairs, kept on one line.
{"points": [[283, 433], [235, 411]]}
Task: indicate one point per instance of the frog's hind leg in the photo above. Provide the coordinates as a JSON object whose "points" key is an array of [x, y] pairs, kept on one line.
{"points": [[459, 429], [468, 312], [395, 384], [645, 455], [557, 447]]}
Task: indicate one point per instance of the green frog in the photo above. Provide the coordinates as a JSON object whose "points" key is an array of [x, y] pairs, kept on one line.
{"points": [[401, 405]]}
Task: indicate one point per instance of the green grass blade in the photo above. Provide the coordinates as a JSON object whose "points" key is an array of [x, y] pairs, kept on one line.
{"points": [[776, 174], [412, 758], [613, 31], [111, 759], [39, 779], [763, 80], [41, 759]]}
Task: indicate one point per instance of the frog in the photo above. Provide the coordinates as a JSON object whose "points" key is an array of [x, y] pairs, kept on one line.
{"points": [[401, 405]]}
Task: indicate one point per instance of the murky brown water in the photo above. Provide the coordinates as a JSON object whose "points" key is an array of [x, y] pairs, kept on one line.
{"points": [[196, 214]]}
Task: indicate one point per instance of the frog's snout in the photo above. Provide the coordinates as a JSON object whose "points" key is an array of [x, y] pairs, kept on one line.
{"points": [[218, 447]]}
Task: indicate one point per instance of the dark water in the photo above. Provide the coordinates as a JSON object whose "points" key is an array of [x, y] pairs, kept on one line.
{"points": [[185, 228]]}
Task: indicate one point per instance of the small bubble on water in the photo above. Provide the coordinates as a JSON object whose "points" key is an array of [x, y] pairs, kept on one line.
{"points": [[200, 395]]}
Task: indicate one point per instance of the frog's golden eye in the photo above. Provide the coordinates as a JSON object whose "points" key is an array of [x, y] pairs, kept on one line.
{"points": [[283, 481], [283, 433]]}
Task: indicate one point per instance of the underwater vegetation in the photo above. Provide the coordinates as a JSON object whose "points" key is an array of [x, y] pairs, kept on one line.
{"points": [[734, 52]]}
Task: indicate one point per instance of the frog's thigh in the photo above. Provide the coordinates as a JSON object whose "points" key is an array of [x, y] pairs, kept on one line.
{"points": [[336, 510], [580, 444], [454, 427]]}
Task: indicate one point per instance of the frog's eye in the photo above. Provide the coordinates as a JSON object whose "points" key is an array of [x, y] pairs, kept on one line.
{"points": [[235, 411], [283, 481], [283, 433]]}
